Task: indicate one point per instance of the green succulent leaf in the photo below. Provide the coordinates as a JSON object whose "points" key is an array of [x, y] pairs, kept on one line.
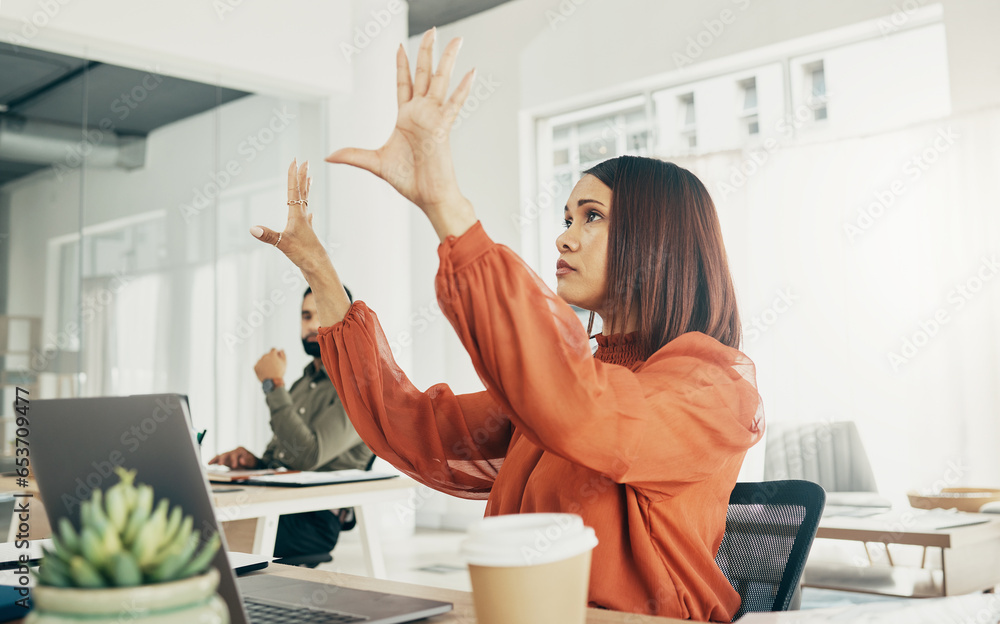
{"points": [[139, 515], [175, 560], [49, 575], [117, 512], [84, 574], [124, 570], [173, 524], [202, 559], [68, 537]]}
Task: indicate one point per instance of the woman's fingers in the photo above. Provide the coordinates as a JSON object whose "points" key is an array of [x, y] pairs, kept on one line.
{"points": [[265, 235], [425, 60], [360, 158], [293, 182], [457, 99], [404, 84], [303, 182], [439, 82]]}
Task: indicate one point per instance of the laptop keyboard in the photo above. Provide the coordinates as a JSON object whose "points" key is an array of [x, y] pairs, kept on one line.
{"points": [[265, 613]]}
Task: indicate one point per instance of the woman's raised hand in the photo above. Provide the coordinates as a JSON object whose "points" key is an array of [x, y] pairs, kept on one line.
{"points": [[298, 241], [416, 160]]}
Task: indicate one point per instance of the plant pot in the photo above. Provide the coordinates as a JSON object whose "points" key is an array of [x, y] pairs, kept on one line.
{"points": [[182, 602]]}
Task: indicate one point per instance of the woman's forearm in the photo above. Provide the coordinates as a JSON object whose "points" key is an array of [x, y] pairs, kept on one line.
{"points": [[331, 298]]}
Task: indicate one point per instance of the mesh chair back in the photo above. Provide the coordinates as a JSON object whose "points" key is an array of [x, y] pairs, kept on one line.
{"points": [[770, 528]]}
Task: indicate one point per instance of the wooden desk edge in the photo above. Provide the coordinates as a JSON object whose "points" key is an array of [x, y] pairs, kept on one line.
{"points": [[463, 611]]}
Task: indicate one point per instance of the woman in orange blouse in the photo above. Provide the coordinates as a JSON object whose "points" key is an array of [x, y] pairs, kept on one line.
{"points": [[644, 438]]}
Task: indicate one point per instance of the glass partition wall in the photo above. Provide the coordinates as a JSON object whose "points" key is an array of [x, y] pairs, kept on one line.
{"points": [[127, 197]]}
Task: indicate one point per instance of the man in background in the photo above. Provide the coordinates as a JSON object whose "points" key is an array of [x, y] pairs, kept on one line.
{"points": [[311, 432]]}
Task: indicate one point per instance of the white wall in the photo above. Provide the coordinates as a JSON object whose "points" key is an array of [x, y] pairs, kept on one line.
{"points": [[276, 48]]}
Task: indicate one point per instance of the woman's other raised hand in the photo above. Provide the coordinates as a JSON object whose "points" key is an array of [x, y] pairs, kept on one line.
{"points": [[298, 240]]}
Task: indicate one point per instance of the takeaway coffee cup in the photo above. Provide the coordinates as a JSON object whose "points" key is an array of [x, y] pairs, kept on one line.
{"points": [[530, 568]]}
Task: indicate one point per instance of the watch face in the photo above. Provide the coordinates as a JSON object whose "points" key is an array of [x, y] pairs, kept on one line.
{"points": [[268, 385]]}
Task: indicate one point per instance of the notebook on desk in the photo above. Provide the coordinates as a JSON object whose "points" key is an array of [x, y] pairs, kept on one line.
{"points": [[222, 474], [305, 478], [293, 478], [77, 442]]}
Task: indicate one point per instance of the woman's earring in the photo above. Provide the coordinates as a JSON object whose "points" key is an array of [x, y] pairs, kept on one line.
{"points": [[590, 324]]}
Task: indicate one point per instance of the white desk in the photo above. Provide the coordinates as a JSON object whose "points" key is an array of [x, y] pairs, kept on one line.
{"points": [[250, 513], [968, 555]]}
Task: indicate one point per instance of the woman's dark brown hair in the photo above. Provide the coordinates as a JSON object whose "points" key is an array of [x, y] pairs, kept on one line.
{"points": [[667, 264]]}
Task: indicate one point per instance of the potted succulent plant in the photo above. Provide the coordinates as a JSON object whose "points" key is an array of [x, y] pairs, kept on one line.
{"points": [[128, 561]]}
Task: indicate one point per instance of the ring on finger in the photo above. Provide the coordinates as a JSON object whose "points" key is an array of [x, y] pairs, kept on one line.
{"points": [[304, 202], [279, 239]]}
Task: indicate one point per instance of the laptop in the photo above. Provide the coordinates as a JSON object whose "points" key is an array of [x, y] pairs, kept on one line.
{"points": [[76, 443]]}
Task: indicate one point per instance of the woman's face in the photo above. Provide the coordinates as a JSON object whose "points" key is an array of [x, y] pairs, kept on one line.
{"points": [[583, 248]]}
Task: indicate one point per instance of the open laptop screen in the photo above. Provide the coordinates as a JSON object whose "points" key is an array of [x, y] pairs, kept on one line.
{"points": [[77, 443]]}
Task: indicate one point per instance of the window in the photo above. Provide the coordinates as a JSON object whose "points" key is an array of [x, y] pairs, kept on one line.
{"points": [[816, 89], [748, 112], [584, 141], [688, 124]]}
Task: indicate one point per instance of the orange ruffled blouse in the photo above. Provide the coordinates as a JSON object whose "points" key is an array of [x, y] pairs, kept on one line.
{"points": [[647, 452]]}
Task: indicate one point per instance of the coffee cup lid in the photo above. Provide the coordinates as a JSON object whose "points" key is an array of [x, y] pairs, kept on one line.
{"points": [[526, 539]]}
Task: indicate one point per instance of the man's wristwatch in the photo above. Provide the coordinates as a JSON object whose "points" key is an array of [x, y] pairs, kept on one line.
{"points": [[269, 385]]}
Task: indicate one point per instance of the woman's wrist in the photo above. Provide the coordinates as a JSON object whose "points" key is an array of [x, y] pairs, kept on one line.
{"points": [[452, 217], [332, 302]]}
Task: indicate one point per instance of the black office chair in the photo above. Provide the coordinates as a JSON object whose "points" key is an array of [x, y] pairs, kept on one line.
{"points": [[347, 522], [348, 519], [770, 528]]}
